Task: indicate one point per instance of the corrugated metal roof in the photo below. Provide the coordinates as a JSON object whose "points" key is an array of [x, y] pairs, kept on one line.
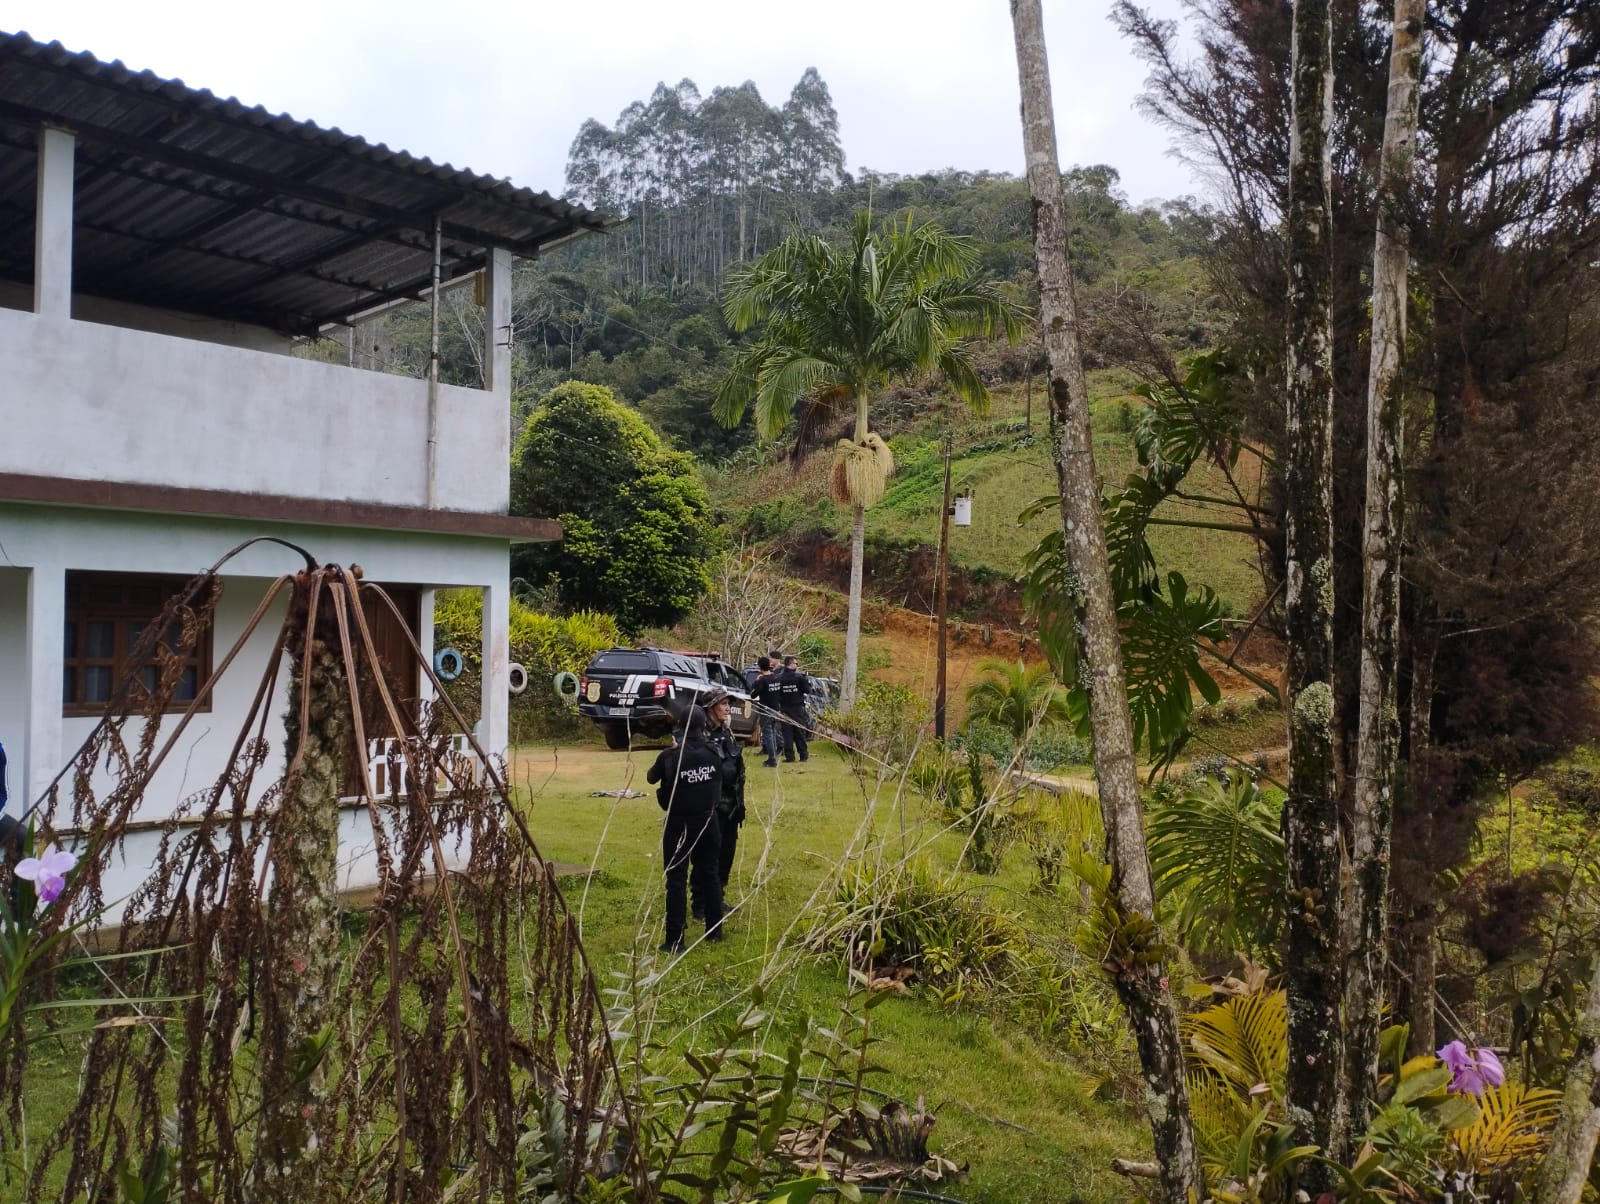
{"points": [[190, 201]]}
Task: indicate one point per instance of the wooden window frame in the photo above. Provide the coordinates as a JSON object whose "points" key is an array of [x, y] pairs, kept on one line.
{"points": [[127, 601]]}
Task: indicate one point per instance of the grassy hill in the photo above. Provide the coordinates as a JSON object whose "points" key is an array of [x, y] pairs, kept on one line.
{"points": [[1005, 464]]}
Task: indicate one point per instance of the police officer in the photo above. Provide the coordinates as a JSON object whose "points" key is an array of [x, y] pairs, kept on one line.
{"points": [[689, 780], [793, 687], [763, 692], [730, 809]]}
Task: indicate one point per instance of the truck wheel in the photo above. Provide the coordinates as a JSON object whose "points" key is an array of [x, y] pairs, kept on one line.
{"points": [[616, 736]]}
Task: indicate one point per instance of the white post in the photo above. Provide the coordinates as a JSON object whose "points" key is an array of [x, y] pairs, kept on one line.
{"points": [[47, 608], [497, 324], [495, 736], [425, 691], [52, 236]]}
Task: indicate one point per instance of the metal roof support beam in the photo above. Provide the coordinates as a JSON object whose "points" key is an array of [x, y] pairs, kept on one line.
{"points": [[180, 243], [269, 182], [52, 228]]}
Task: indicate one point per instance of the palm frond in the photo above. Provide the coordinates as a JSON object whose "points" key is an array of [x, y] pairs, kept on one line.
{"points": [[1511, 1130], [1016, 698], [1243, 1040]]}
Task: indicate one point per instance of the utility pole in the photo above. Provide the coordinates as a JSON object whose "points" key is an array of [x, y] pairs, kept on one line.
{"points": [[943, 594]]}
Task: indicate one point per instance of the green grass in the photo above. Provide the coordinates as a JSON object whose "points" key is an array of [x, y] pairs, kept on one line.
{"points": [[1239, 727], [1006, 474], [1014, 1106], [1012, 1102]]}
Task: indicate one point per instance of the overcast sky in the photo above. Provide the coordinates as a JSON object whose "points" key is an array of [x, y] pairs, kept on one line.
{"points": [[502, 87]]}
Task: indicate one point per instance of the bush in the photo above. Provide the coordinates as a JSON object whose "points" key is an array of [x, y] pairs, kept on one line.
{"points": [[907, 915], [544, 645], [1047, 750], [886, 722]]}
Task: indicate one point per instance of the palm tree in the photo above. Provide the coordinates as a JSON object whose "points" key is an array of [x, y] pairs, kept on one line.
{"points": [[838, 323], [1016, 698]]}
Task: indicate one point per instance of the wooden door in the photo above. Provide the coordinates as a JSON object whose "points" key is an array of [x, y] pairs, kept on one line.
{"points": [[401, 670]]}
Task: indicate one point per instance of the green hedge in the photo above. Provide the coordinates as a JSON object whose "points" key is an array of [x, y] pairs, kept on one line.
{"points": [[543, 644]]}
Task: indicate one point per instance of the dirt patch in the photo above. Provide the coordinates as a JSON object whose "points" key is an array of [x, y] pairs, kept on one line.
{"points": [[903, 575]]}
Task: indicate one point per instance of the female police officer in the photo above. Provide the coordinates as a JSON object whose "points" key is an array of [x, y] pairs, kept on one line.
{"points": [[689, 777]]}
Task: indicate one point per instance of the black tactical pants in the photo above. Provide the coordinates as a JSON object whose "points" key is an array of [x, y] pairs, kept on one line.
{"points": [[796, 728], [691, 844]]}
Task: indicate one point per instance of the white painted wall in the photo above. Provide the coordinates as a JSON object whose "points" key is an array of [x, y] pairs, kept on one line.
{"points": [[49, 541], [14, 672], [110, 404], [156, 321]]}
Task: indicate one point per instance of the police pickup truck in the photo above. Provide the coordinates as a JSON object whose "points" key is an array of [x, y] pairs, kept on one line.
{"points": [[642, 692]]}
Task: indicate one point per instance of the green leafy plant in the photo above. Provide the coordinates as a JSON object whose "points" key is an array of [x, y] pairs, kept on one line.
{"points": [[1016, 698], [1217, 853], [907, 915]]}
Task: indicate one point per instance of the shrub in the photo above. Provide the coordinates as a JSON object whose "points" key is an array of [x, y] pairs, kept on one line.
{"points": [[886, 722], [907, 915], [544, 645], [1047, 750]]}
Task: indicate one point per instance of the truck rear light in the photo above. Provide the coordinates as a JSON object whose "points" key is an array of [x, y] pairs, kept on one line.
{"points": [[583, 685], [662, 687]]}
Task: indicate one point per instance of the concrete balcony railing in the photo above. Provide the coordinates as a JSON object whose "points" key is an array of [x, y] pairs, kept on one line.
{"points": [[104, 403]]}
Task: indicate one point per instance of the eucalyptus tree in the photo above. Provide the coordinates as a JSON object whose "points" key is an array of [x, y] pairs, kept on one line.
{"points": [[1378, 740], [1134, 947], [1311, 810], [838, 323]]}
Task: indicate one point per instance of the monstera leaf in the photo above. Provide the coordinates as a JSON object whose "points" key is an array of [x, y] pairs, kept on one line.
{"points": [[1183, 422], [1218, 851], [1162, 660]]}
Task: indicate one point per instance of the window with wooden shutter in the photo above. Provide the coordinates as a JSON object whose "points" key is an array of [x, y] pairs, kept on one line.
{"points": [[107, 614]]}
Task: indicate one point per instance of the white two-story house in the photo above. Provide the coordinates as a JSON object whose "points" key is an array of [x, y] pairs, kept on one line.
{"points": [[161, 253]]}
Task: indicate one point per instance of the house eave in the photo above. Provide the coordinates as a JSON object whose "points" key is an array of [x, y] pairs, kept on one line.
{"points": [[261, 507]]}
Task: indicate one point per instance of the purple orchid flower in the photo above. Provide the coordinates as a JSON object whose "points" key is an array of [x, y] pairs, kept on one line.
{"points": [[47, 873], [1473, 1071]]}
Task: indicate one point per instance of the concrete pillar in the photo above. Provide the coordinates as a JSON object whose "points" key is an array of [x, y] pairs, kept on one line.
{"points": [[425, 691], [52, 239], [496, 732], [42, 758], [497, 324]]}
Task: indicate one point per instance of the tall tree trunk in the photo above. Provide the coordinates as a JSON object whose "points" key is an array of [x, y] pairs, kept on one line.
{"points": [[300, 965], [1142, 988], [1572, 1144], [852, 626], [1378, 735], [1421, 957], [1311, 813], [858, 556]]}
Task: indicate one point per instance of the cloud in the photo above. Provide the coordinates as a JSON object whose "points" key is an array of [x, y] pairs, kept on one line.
{"points": [[919, 84]]}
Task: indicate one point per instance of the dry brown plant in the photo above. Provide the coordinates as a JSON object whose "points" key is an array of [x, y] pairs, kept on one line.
{"points": [[450, 1033]]}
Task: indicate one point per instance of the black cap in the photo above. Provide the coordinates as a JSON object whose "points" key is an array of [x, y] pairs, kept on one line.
{"points": [[697, 721]]}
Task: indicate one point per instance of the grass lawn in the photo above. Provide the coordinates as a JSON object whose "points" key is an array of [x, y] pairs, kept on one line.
{"points": [[1009, 1103]]}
